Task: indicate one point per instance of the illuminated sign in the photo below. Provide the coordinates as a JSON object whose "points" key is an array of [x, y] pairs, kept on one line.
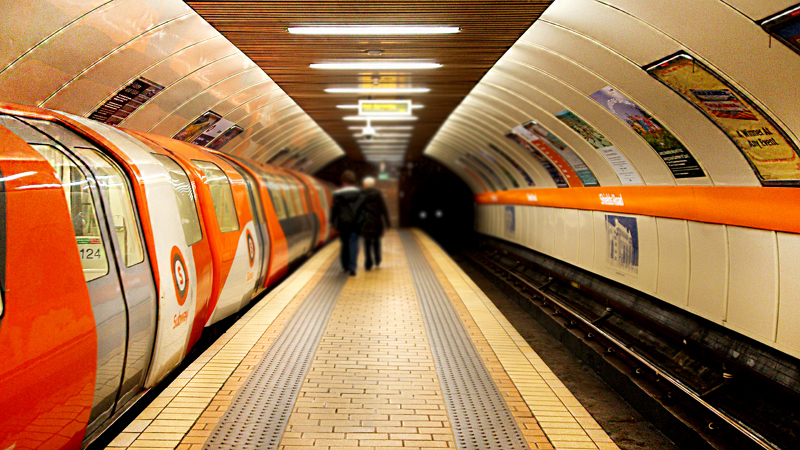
{"points": [[384, 107]]}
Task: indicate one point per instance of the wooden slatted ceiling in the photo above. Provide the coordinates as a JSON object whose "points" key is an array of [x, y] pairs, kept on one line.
{"points": [[258, 28]]}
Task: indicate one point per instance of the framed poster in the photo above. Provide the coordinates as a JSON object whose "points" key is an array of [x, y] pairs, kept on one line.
{"points": [[516, 165], [487, 169], [558, 179], [190, 132], [212, 132], [622, 238], [628, 175], [486, 178], [510, 220], [126, 101], [569, 155], [502, 167], [771, 154], [484, 183], [785, 27], [672, 151], [544, 148], [225, 137]]}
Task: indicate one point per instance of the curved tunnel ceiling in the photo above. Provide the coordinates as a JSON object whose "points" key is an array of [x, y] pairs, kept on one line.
{"points": [[75, 56], [580, 47]]}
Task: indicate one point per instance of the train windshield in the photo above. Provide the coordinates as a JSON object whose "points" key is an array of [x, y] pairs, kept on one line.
{"points": [[187, 208], [221, 195]]}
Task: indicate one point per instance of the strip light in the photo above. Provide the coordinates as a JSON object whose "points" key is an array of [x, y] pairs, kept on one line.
{"points": [[377, 91], [374, 30], [397, 128], [388, 135], [382, 118], [414, 106], [376, 65], [377, 140]]}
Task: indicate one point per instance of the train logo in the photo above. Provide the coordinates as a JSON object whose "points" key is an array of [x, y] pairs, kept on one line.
{"points": [[180, 277], [251, 248]]}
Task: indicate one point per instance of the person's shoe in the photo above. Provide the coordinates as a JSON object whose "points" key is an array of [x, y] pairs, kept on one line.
{"points": [[352, 273], [367, 267]]}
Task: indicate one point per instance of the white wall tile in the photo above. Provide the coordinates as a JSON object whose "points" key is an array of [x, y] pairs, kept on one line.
{"points": [[673, 261], [708, 275]]}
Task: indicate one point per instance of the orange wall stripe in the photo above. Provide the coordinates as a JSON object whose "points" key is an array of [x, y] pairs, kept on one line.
{"points": [[764, 208]]}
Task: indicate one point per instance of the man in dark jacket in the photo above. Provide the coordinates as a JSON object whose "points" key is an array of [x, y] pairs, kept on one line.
{"points": [[345, 217], [374, 215]]}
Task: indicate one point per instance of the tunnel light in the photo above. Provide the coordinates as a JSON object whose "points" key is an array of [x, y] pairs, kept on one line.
{"points": [[377, 91], [376, 65], [395, 128], [381, 119], [372, 30]]}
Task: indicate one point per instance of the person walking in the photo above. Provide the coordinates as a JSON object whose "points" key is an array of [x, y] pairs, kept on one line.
{"points": [[375, 215], [345, 217]]}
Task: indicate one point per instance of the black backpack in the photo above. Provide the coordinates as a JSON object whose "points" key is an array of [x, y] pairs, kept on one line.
{"points": [[350, 214]]}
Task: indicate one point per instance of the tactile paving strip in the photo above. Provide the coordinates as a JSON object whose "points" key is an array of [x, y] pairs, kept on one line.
{"points": [[258, 415], [479, 416]]}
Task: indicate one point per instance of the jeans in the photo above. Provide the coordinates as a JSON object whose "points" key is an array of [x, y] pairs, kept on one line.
{"points": [[372, 252], [348, 252]]}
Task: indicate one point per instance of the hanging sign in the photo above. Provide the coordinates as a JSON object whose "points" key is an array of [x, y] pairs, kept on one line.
{"points": [[773, 156], [384, 107], [616, 159], [674, 154]]}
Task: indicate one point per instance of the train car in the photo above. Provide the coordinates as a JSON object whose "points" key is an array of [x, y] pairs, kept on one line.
{"points": [[318, 199], [125, 246]]}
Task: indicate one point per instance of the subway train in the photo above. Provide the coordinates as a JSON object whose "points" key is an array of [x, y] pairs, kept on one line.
{"points": [[117, 249]]}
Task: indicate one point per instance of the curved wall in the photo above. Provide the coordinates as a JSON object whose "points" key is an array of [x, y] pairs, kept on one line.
{"points": [[736, 271], [75, 55]]}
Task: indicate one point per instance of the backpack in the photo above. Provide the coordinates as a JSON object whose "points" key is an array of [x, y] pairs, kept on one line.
{"points": [[350, 214]]}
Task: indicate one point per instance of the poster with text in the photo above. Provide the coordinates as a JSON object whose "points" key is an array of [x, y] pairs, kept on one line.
{"points": [[544, 148], [572, 158], [628, 175], [677, 158], [194, 129], [558, 179], [126, 101], [491, 159], [225, 137], [622, 238], [212, 132], [485, 167], [508, 159], [773, 156]]}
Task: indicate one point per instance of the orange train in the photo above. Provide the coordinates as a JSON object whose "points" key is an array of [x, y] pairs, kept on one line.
{"points": [[117, 248]]}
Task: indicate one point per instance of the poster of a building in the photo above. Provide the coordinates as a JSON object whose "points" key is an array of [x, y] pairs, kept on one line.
{"points": [[622, 236], [510, 220]]}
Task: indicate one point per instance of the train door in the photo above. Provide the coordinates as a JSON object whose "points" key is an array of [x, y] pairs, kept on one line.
{"points": [[115, 266], [261, 245]]}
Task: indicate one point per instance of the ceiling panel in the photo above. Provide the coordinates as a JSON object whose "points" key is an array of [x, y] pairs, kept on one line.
{"points": [[488, 29]]}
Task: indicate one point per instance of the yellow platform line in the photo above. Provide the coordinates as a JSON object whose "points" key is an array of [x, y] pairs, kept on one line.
{"points": [[172, 418], [563, 419]]}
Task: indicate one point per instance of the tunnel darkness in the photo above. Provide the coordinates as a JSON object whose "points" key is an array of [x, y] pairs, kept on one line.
{"points": [[436, 200]]}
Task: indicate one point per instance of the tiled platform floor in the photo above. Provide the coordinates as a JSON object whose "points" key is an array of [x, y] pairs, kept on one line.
{"points": [[373, 383]]}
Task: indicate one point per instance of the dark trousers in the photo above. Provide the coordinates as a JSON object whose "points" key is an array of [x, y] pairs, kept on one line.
{"points": [[372, 252], [348, 253]]}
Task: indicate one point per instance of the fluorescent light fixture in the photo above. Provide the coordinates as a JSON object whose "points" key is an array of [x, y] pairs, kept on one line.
{"points": [[397, 128], [381, 118], [377, 91], [372, 30], [378, 140], [347, 106], [387, 135], [376, 65], [417, 106]]}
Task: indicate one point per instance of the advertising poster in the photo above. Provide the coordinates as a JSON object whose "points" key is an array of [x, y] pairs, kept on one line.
{"points": [[667, 146], [194, 129], [511, 220], [460, 163], [502, 167], [225, 137], [622, 237], [212, 132], [786, 27], [558, 179], [572, 158], [516, 165], [572, 178], [627, 174], [488, 170], [126, 101], [486, 178], [773, 156]]}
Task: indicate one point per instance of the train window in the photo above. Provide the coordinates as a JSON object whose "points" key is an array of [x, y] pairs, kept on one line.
{"points": [[187, 205], [115, 184], [323, 199], [274, 194], [287, 196], [221, 195], [81, 208], [293, 195]]}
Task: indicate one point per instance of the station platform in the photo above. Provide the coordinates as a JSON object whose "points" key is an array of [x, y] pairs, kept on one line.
{"points": [[412, 354]]}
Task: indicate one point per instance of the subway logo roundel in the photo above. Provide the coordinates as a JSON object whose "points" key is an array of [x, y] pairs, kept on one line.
{"points": [[180, 276], [251, 248]]}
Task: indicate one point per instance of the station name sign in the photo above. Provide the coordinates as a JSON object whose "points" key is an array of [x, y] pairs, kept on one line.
{"points": [[384, 107]]}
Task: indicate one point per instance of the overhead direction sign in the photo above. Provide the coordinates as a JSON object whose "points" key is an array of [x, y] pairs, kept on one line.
{"points": [[384, 107]]}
